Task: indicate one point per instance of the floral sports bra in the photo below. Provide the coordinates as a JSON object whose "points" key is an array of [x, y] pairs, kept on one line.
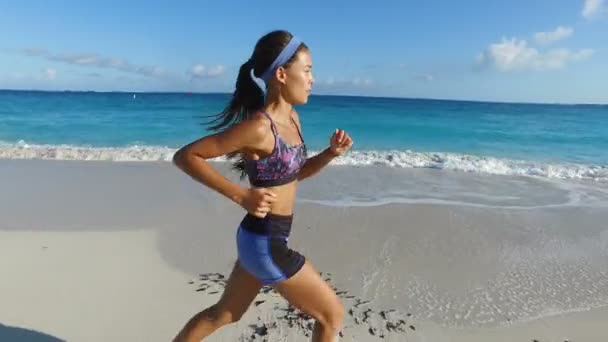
{"points": [[281, 166]]}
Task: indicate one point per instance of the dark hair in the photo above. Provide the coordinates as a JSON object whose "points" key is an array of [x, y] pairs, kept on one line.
{"points": [[248, 97]]}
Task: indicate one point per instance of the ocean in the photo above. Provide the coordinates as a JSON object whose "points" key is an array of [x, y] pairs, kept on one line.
{"points": [[563, 143]]}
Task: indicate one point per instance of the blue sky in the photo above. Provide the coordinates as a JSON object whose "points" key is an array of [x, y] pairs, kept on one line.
{"points": [[518, 50]]}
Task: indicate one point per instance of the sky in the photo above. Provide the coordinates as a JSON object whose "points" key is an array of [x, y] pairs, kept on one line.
{"points": [[513, 51]]}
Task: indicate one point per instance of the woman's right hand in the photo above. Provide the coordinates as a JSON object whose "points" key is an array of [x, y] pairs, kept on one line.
{"points": [[257, 201]]}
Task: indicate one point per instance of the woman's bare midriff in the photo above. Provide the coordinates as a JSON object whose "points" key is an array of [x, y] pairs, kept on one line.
{"points": [[286, 195]]}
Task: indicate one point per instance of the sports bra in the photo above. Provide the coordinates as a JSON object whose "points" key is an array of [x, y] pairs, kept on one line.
{"points": [[281, 166]]}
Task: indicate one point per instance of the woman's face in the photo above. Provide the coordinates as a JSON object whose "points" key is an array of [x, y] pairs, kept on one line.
{"points": [[297, 78]]}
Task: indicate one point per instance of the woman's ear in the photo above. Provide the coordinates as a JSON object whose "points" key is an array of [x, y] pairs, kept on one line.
{"points": [[281, 74]]}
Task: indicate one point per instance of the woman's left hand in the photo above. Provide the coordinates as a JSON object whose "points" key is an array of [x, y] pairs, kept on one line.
{"points": [[340, 142]]}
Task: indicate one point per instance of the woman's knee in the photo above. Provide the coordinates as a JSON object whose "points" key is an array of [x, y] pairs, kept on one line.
{"points": [[333, 317], [222, 316]]}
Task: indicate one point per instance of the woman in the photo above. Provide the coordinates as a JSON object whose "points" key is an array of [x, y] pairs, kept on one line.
{"points": [[266, 132]]}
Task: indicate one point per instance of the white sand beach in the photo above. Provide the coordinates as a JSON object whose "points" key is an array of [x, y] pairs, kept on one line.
{"points": [[105, 251]]}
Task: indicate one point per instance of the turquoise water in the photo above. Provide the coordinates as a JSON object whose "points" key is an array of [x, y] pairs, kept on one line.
{"points": [[563, 141]]}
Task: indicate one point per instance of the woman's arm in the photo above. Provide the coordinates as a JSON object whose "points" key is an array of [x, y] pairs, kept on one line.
{"points": [[339, 143], [316, 163], [192, 159]]}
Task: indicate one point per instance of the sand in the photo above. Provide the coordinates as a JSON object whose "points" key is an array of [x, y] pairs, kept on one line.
{"points": [[101, 251]]}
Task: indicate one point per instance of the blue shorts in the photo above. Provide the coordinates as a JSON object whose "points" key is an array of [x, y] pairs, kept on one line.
{"points": [[262, 248]]}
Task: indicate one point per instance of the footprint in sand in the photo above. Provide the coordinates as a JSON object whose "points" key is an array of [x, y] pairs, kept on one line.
{"points": [[379, 322]]}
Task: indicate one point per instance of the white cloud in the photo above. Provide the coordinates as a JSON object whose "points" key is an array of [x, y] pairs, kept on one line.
{"points": [[591, 8], [425, 77], [509, 54], [515, 54], [344, 86], [50, 74], [332, 83], [561, 32], [198, 70], [35, 52], [558, 58], [216, 71], [202, 71], [150, 71], [46, 74], [79, 59], [357, 81], [97, 61]]}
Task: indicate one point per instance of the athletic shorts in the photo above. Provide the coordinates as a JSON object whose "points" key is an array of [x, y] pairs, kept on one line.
{"points": [[262, 248]]}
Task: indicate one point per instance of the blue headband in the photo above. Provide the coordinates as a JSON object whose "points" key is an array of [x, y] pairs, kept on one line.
{"points": [[282, 58]]}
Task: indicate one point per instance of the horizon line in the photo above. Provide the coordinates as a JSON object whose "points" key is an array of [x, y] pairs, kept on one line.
{"points": [[313, 94]]}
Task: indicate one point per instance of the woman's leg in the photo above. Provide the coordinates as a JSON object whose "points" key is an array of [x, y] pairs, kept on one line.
{"points": [[307, 291], [241, 289]]}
